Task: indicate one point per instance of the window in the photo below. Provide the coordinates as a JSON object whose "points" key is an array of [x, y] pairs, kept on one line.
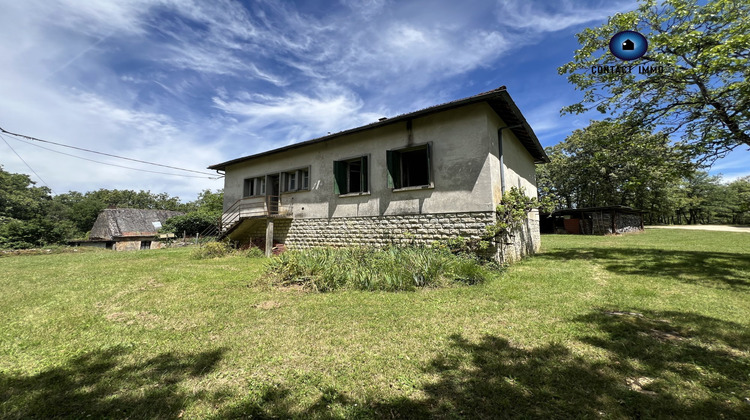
{"points": [[351, 176], [255, 187], [145, 244], [409, 167], [296, 180]]}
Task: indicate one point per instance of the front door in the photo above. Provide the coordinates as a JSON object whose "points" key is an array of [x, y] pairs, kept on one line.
{"points": [[272, 194]]}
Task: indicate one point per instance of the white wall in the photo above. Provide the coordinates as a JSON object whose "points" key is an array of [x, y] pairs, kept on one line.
{"points": [[465, 168]]}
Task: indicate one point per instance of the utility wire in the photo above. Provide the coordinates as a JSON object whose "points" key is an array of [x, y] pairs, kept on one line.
{"points": [[113, 164], [100, 153], [26, 163]]}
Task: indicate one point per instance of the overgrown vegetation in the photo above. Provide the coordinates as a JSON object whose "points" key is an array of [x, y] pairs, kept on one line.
{"points": [[511, 214], [655, 325], [359, 268], [212, 249]]}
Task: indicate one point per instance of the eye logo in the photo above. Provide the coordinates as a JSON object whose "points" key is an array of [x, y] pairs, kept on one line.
{"points": [[628, 45]]}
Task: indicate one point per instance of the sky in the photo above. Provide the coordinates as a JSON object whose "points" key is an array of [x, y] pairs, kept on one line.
{"points": [[191, 83]]}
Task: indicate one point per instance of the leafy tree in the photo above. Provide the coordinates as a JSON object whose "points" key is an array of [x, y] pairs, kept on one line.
{"points": [[739, 200], [607, 164], [20, 198], [20, 234], [704, 91], [203, 216]]}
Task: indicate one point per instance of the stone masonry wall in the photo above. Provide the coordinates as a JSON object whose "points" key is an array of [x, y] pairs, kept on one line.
{"points": [[525, 241], [378, 231], [420, 229]]}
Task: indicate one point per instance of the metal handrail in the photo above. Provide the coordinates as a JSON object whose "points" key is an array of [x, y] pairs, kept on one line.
{"points": [[271, 205]]}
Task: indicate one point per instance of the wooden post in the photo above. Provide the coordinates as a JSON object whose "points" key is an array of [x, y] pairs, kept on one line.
{"points": [[269, 236]]}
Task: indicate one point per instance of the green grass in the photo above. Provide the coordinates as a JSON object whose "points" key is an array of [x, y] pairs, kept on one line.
{"points": [[648, 325]]}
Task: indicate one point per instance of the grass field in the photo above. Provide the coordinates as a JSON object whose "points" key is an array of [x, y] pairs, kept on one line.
{"points": [[647, 325]]}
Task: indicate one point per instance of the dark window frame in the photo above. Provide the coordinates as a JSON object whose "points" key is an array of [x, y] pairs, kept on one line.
{"points": [[398, 174], [254, 186], [352, 175]]}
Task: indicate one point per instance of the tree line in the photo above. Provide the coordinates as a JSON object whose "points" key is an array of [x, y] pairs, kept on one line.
{"points": [[30, 216], [662, 130], [609, 163]]}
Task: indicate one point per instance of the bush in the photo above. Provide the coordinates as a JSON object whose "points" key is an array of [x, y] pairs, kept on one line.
{"points": [[24, 234], [391, 269], [191, 223], [211, 250], [254, 252]]}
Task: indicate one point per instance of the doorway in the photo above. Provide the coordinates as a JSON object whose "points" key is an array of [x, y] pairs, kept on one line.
{"points": [[272, 194]]}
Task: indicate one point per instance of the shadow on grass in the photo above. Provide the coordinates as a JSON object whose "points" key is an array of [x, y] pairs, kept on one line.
{"points": [[714, 269], [99, 384], [655, 365]]}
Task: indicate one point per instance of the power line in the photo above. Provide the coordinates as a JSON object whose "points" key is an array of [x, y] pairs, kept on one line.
{"points": [[26, 163], [113, 164], [100, 153]]}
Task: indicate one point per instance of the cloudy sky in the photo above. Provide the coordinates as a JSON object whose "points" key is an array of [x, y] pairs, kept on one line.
{"points": [[190, 83]]}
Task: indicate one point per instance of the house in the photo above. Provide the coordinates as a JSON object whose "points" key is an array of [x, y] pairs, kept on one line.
{"points": [[417, 178], [594, 220], [127, 229]]}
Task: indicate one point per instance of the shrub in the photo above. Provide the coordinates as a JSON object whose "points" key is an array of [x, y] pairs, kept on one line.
{"points": [[191, 223], [254, 252], [211, 250], [391, 269]]}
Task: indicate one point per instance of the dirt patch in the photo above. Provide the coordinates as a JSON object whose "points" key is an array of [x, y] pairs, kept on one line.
{"points": [[637, 385], [269, 304], [144, 319]]}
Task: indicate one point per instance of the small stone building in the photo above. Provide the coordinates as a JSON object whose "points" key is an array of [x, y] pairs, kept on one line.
{"points": [[428, 175], [128, 229], [593, 220]]}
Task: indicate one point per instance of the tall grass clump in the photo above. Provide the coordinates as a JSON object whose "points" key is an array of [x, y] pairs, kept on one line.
{"points": [[211, 250], [390, 269]]}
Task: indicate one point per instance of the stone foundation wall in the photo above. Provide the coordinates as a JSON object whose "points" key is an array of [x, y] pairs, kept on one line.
{"points": [[525, 241], [416, 229], [378, 231]]}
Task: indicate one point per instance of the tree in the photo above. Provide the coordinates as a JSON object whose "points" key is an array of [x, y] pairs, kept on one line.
{"points": [[606, 164], [19, 197], [704, 91], [739, 200], [203, 215]]}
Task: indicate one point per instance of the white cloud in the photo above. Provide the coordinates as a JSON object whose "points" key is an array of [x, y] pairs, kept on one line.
{"points": [[193, 83], [539, 17], [297, 117]]}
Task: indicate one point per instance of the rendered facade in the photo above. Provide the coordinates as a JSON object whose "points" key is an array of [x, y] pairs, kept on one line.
{"points": [[416, 178]]}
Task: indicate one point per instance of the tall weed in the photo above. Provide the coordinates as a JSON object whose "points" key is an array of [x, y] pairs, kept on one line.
{"points": [[390, 269]]}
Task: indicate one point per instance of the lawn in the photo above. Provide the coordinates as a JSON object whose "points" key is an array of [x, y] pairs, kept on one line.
{"points": [[645, 325]]}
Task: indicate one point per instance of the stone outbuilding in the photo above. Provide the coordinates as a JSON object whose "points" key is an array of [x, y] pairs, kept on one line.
{"points": [[128, 229], [593, 220], [428, 175]]}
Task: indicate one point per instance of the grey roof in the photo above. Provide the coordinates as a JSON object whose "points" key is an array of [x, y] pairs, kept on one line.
{"points": [[119, 223], [498, 99]]}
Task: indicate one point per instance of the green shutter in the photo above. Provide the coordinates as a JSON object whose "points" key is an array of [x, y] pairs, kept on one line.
{"points": [[429, 163], [393, 163], [339, 177], [363, 178]]}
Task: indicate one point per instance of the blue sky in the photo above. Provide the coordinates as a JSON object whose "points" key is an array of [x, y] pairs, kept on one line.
{"points": [[191, 83]]}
